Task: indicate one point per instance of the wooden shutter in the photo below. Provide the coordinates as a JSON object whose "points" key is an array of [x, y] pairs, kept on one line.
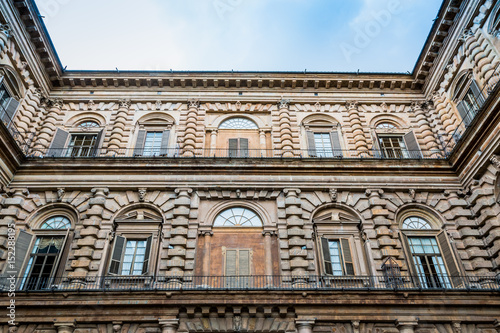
{"points": [[412, 145], [10, 110], [409, 258], [233, 148], [376, 147], [311, 144], [97, 144], [147, 255], [244, 262], [164, 142], [448, 257], [116, 258], [347, 256], [60, 256], [231, 256], [243, 147], [58, 144], [326, 256], [337, 148], [462, 110], [22, 247], [477, 94], [139, 144]]}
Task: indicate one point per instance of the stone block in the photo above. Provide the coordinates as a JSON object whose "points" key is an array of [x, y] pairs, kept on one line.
{"points": [[175, 263], [89, 231], [299, 263], [390, 252], [88, 241], [182, 211], [296, 242], [86, 252], [178, 241], [80, 263], [296, 232]]}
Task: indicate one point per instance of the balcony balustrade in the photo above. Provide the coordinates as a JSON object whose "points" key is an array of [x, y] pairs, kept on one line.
{"points": [[255, 283]]}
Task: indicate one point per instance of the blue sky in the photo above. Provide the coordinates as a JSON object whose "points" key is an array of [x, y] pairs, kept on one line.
{"points": [[266, 35]]}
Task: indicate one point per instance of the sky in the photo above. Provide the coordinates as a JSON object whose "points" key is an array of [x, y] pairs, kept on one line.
{"points": [[239, 35]]}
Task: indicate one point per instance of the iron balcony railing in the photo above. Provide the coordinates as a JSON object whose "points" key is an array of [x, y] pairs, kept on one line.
{"points": [[389, 154], [255, 282], [22, 139]]}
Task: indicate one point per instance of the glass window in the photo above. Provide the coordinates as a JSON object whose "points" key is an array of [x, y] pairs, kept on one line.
{"points": [[134, 257], [57, 222], [42, 262], [323, 145], [82, 145], [4, 97], [237, 217], [335, 257], [393, 146], [415, 222], [428, 262], [386, 126], [89, 124], [238, 123], [152, 144]]}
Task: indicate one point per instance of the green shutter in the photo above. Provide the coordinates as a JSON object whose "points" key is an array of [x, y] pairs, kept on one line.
{"points": [[164, 143], [116, 258], [147, 255], [337, 148], [233, 148], [326, 256], [243, 147], [22, 247], [58, 144], [311, 145], [448, 257], [347, 256], [139, 145], [412, 145]]}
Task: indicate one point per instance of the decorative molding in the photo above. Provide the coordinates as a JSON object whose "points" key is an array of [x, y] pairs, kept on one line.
{"points": [[142, 193], [193, 103], [283, 103], [124, 103]]}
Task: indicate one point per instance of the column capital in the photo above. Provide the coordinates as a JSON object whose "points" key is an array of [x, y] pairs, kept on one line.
{"points": [[124, 103], [55, 102], [193, 103], [268, 233], [183, 191], [172, 322], [305, 324], [65, 327]]}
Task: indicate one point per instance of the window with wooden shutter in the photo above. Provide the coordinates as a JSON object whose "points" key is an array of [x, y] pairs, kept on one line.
{"points": [[23, 244], [139, 145], [116, 257], [145, 265], [237, 267], [449, 258], [238, 147], [164, 143], [412, 145], [326, 256], [311, 145], [337, 148], [58, 144], [337, 257], [9, 110], [96, 151]]}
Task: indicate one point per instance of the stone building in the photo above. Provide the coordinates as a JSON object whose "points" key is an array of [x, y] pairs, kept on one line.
{"points": [[252, 202]]}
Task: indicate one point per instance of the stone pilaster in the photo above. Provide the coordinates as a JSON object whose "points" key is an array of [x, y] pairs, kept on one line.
{"points": [[285, 128], [446, 114], [82, 265], [48, 128], [191, 129], [5, 34], [13, 209], [424, 132], [295, 231], [118, 132], [179, 232], [357, 128]]}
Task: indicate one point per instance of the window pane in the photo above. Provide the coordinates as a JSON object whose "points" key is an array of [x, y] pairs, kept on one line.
{"points": [[238, 123], [237, 216], [81, 145], [323, 144], [152, 143], [335, 257]]}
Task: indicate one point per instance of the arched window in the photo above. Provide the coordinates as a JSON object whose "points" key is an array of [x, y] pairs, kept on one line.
{"points": [[430, 252], [386, 125], [415, 222], [49, 250], [56, 222], [238, 123], [468, 97], [323, 136], [88, 124], [494, 28], [237, 217]]}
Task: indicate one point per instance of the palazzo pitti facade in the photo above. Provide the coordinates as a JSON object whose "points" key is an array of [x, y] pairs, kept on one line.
{"points": [[284, 202]]}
